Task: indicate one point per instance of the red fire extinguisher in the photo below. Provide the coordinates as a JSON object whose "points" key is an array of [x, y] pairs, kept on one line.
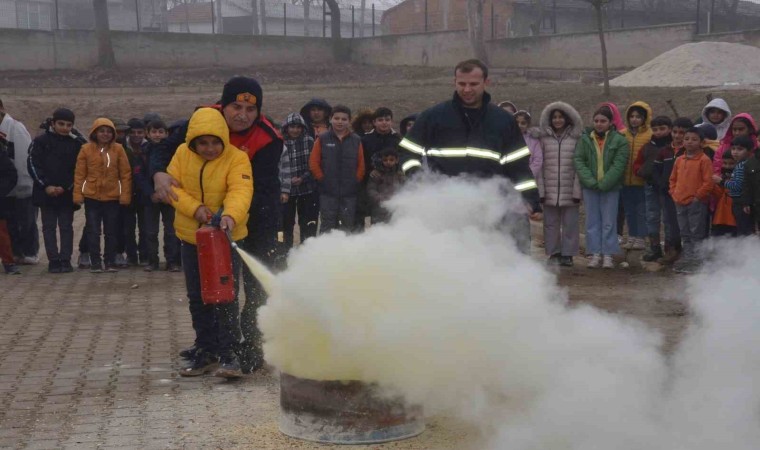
{"points": [[215, 263]]}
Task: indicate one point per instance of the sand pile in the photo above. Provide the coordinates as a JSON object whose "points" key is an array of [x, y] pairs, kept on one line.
{"points": [[698, 64]]}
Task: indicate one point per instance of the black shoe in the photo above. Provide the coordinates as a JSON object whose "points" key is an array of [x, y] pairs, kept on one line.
{"points": [[54, 266], [229, 366], [653, 254], [66, 266], [203, 362], [566, 261], [132, 260], [171, 267], [188, 353], [111, 269], [96, 268], [152, 267], [251, 359], [554, 260]]}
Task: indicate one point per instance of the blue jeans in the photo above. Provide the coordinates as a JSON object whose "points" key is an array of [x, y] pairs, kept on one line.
{"points": [[653, 211], [601, 222], [634, 205], [217, 327]]}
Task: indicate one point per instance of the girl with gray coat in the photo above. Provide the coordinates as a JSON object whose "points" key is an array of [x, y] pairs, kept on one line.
{"points": [[559, 130]]}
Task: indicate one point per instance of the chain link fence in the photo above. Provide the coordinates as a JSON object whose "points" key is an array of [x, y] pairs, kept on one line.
{"points": [[240, 17]]}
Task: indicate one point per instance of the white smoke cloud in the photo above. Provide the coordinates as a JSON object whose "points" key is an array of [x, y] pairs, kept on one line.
{"points": [[439, 305]]}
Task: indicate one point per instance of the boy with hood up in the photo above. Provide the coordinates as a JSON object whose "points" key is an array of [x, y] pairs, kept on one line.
{"points": [[638, 117], [317, 112], [718, 114], [102, 182], [299, 194], [212, 174]]}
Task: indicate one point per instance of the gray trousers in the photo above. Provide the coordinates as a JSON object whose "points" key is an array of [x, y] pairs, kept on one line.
{"points": [[336, 212], [692, 222], [561, 230]]}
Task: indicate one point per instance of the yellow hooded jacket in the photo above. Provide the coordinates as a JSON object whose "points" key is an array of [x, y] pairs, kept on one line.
{"points": [[102, 173], [636, 142], [225, 181]]}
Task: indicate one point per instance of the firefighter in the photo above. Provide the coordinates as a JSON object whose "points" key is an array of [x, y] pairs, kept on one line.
{"points": [[470, 135]]}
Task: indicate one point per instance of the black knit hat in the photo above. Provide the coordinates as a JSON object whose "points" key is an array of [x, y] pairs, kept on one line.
{"points": [[136, 124], [709, 131], [63, 114], [242, 89], [744, 142]]}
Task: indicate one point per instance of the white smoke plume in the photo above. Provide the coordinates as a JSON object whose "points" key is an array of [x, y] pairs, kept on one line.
{"points": [[440, 305]]}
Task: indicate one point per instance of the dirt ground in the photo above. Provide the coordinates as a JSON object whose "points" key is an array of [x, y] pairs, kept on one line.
{"points": [[655, 298]]}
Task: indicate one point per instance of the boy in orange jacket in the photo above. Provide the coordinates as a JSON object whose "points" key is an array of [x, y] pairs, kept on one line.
{"points": [[690, 186], [723, 222], [102, 181]]}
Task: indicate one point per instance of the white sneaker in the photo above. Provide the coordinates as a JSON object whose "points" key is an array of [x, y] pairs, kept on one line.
{"points": [[30, 260], [608, 262], [595, 262], [638, 244]]}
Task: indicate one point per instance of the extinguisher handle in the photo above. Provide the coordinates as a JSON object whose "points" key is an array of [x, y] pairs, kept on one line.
{"points": [[217, 218]]}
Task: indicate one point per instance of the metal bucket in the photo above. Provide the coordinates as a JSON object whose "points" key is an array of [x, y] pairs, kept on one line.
{"points": [[344, 412]]}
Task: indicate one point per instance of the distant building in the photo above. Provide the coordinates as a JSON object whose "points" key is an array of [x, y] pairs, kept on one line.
{"points": [[530, 18]]}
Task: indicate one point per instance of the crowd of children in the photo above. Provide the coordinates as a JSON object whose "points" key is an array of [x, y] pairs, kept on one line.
{"points": [[691, 180], [649, 172]]}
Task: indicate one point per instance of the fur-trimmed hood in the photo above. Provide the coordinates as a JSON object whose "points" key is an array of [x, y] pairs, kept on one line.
{"points": [[545, 126]]}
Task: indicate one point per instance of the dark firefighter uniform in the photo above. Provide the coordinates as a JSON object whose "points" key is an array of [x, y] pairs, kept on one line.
{"points": [[455, 140]]}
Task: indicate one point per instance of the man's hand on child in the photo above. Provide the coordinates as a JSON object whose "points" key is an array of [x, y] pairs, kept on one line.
{"points": [[54, 191], [203, 214], [717, 179], [296, 181], [284, 198], [375, 174], [227, 223], [163, 186]]}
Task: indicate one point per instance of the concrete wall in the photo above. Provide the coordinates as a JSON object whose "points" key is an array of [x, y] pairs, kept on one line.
{"points": [[33, 50], [444, 48], [748, 37], [625, 48]]}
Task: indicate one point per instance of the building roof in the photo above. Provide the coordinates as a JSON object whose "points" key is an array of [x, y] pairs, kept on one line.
{"points": [[190, 13]]}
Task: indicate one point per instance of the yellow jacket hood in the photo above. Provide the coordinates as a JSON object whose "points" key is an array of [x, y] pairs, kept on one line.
{"points": [[208, 122], [647, 120]]}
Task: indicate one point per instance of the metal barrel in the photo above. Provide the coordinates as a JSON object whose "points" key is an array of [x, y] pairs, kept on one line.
{"points": [[344, 412]]}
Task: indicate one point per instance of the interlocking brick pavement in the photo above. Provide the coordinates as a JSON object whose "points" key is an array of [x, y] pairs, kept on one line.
{"points": [[88, 361]]}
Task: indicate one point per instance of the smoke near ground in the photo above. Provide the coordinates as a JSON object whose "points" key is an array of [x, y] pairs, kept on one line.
{"points": [[440, 306]]}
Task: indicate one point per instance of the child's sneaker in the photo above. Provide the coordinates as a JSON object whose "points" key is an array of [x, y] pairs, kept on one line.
{"points": [[151, 267], [66, 266], [54, 266], [84, 261], [119, 261], [11, 269], [110, 268], [96, 268], [595, 262], [171, 267], [229, 366], [202, 363], [637, 244], [30, 260], [608, 263]]}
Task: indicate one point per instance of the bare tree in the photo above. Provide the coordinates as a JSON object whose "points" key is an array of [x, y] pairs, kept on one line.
{"points": [[334, 18], [475, 29], [103, 34], [255, 16], [263, 14], [599, 7], [306, 17]]}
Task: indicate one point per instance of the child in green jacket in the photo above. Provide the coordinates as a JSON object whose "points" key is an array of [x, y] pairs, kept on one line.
{"points": [[601, 158]]}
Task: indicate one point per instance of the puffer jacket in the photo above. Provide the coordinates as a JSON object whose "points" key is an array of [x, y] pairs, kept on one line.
{"points": [[636, 142], [614, 159], [102, 173], [725, 143], [751, 186], [558, 184], [723, 127], [617, 119], [226, 181]]}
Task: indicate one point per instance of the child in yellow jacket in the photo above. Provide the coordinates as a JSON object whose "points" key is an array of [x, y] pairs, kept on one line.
{"points": [[102, 181], [213, 174]]}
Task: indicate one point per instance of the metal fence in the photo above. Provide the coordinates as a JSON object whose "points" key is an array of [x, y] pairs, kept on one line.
{"points": [[241, 17]]}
